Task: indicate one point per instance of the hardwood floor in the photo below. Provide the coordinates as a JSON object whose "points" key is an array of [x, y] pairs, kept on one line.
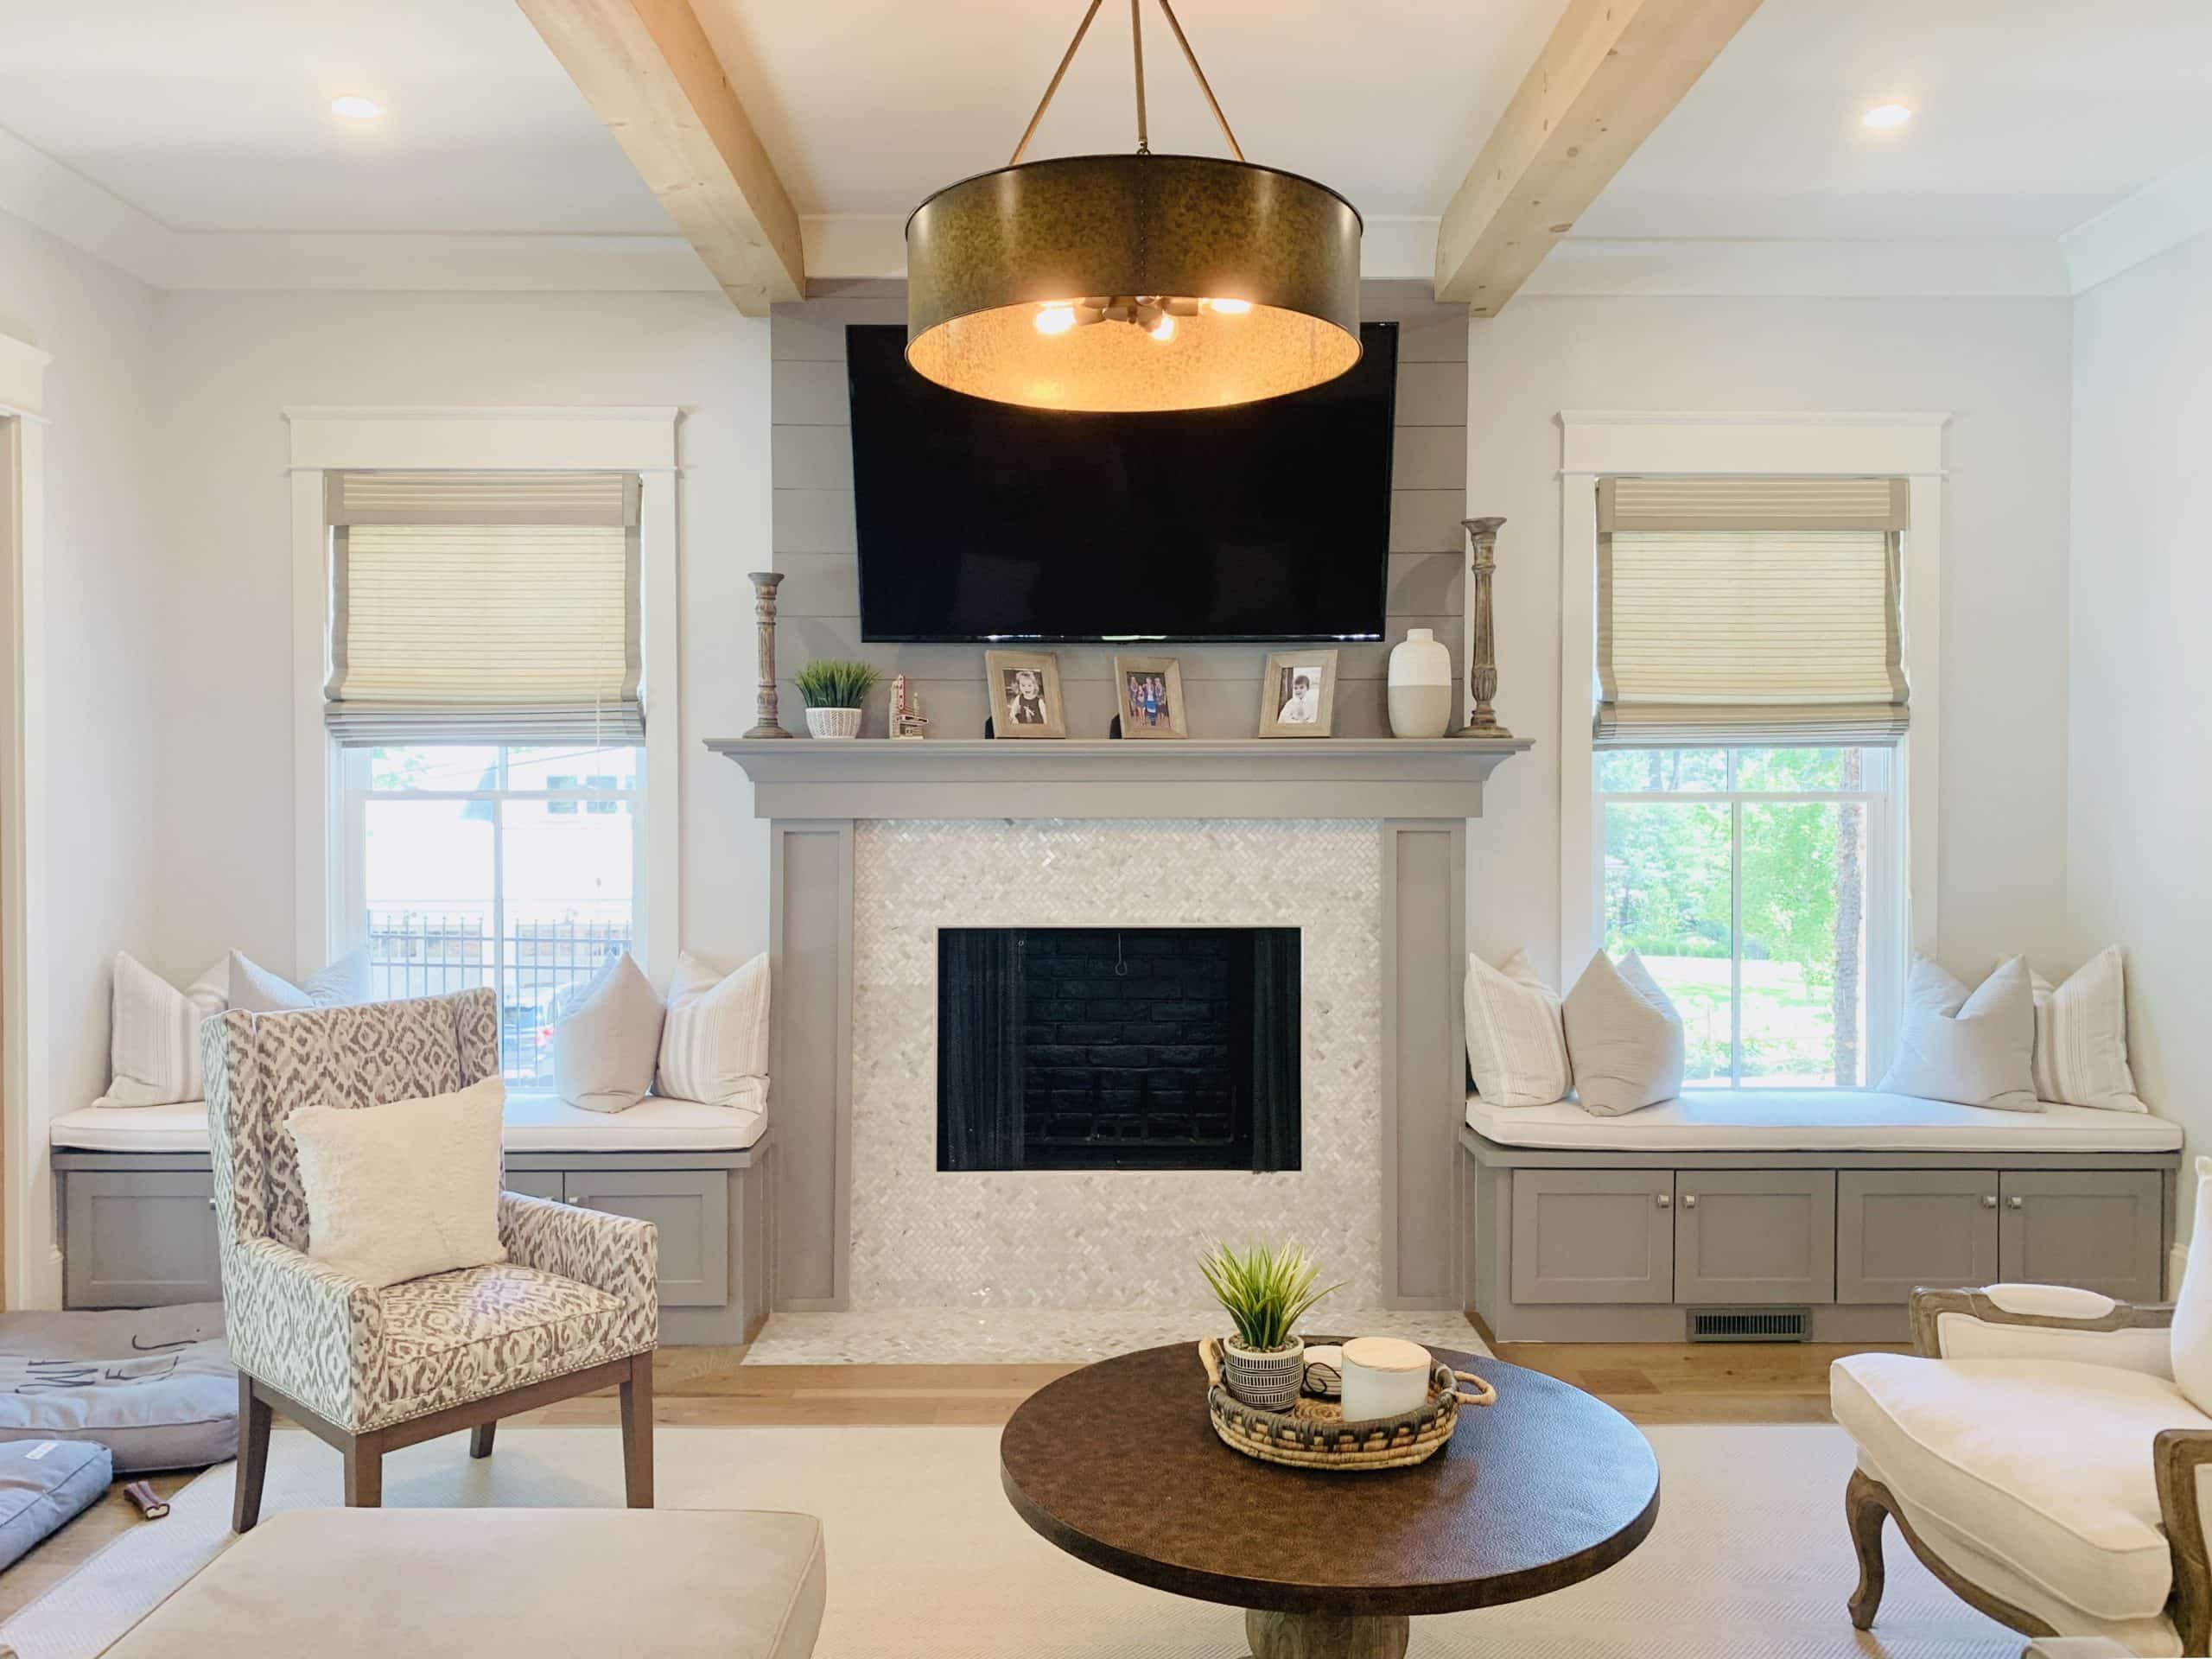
{"points": [[1648, 1383]]}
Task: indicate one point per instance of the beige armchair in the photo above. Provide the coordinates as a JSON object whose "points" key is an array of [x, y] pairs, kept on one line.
{"points": [[2039, 1460], [574, 1308]]}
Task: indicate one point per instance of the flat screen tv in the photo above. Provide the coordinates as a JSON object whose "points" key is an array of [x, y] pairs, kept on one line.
{"points": [[980, 520]]}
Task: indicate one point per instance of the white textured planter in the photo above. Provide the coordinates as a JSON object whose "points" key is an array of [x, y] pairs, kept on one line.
{"points": [[1267, 1381], [1420, 685], [833, 722]]}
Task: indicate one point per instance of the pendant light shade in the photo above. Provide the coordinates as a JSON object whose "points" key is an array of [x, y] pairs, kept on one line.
{"points": [[1012, 278], [1132, 283]]}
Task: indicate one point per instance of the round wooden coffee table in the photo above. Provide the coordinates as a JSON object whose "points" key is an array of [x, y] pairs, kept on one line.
{"points": [[1118, 1465]]}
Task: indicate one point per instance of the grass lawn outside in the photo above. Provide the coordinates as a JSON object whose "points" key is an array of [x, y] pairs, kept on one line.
{"points": [[1788, 1025]]}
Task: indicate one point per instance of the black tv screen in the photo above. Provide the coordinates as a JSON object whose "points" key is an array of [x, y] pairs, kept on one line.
{"points": [[981, 520]]}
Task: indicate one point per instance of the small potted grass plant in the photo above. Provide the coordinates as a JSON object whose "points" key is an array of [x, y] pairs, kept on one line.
{"points": [[1267, 1289], [834, 692]]}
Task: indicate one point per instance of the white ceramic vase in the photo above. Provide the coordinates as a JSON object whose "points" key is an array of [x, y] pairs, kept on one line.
{"points": [[1420, 685], [833, 722]]}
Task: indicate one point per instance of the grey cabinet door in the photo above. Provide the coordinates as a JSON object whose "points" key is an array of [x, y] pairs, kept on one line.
{"points": [[1754, 1236], [1897, 1229], [139, 1238], [1594, 1235], [2098, 1229], [535, 1184], [691, 1208]]}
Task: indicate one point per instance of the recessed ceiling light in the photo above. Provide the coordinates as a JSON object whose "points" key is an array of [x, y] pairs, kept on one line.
{"points": [[355, 109], [1886, 115]]}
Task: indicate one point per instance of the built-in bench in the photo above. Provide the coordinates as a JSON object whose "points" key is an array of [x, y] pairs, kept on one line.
{"points": [[1816, 1210], [136, 1200]]}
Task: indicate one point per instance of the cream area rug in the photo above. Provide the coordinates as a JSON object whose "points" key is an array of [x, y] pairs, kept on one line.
{"points": [[1749, 1559]]}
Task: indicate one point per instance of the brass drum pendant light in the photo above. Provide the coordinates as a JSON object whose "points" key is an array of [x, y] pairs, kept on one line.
{"points": [[1133, 282]]}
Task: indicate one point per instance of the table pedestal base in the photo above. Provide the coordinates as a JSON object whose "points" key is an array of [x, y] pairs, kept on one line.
{"points": [[1326, 1635]]}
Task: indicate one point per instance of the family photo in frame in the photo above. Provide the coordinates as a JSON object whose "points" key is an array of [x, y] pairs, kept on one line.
{"points": [[1148, 695], [1025, 686], [1297, 693]]}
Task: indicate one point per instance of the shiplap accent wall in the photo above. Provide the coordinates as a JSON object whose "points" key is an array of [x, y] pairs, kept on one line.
{"points": [[816, 549]]}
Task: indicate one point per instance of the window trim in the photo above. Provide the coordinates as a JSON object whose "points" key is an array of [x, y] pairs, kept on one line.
{"points": [[1596, 444], [640, 440], [1885, 962]]}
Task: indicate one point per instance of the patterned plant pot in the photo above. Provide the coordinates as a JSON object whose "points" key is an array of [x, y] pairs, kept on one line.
{"points": [[1265, 1379], [833, 722]]}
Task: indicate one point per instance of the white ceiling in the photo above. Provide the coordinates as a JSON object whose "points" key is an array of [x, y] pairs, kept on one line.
{"points": [[194, 143]]}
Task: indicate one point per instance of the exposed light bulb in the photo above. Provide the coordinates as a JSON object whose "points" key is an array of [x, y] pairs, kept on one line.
{"points": [[1163, 329], [1886, 115], [355, 108], [1229, 308], [1055, 319]]}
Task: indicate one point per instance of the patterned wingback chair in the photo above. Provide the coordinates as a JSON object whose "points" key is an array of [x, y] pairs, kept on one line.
{"points": [[575, 1308]]}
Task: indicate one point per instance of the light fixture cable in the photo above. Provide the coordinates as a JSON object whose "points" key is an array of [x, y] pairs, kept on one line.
{"points": [[1136, 47]]}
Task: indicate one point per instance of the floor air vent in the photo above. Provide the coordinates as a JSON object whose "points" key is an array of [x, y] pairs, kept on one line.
{"points": [[1750, 1324]]}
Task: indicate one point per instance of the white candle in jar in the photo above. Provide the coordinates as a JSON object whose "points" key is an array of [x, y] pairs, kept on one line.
{"points": [[1384, 1377]]}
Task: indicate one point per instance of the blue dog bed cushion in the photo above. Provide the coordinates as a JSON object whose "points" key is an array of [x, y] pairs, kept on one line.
{"points": [[154, 1386], [43, 1483]]}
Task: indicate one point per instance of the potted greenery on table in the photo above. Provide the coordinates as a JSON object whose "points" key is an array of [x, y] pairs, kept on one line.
{"points": [[834, 692], [1267, 1289]]}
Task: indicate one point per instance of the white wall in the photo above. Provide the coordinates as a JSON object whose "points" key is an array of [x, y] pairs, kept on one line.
{"points": [[2140, 834], [107, 847], [1999, 367], [231, 362]]}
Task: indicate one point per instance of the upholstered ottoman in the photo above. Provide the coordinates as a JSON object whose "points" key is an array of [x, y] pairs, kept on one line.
{"points": [[501, 1584]]}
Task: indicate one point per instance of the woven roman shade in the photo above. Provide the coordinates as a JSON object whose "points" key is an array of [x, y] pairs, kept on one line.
{"points": [[483, 607], [1758, 611]]}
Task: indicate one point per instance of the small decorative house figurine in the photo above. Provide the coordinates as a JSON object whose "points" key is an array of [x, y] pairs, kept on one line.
{"points": [[906, 717]]}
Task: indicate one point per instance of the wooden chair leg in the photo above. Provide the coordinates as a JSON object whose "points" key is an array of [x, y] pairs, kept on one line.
{"points": [[254, 1416], [1863, 1510], [365, 1472], [637, 1432], [479, 1438]]}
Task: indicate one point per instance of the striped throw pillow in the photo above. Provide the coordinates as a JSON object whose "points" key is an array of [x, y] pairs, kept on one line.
{"points": [[2080, 1057], [1516, 1047], [154, 1034], [714, 1044]]}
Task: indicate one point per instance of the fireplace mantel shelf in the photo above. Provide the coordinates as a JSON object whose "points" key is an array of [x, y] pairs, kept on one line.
{"points": [[1248, 778]]}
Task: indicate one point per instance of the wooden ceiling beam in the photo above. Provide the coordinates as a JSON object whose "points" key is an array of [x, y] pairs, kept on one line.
{"points": [[1611, 72], [647, 70]]}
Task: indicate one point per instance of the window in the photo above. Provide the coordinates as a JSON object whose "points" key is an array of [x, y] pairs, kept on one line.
{"points": [[471, 864], [1757, 885]]}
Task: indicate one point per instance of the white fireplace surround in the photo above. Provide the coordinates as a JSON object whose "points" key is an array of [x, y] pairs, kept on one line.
{"points": [[1098, 1240]]}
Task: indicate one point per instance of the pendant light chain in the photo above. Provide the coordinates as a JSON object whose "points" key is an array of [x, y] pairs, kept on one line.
{"points": [[1136, 42]]}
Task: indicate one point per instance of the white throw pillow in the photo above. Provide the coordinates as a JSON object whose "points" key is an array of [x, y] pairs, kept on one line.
{"points": [[154, 1034], [714, 1044], [404, 1190], [2080, 1056], [1977, 1049], [605, 1048], [1515, 1047], [2191, 1335], [1623, 1036], [256, 990]]}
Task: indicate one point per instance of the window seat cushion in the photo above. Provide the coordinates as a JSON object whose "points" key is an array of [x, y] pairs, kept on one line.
{"points": [[534, 1122], [1812, 1120]]}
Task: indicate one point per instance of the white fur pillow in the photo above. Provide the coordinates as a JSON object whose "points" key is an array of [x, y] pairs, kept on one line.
{"points": [[2080, 1056], [1624, 1036], [605, 1048], [257, 991], [154, 1034], [404, 1190], [714, 1044], [1515, 1047], [1977, 1049]]}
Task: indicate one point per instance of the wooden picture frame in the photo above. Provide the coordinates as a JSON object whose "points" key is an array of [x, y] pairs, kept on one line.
{"points": [[1148, 697], [1024, 689], [1297, 693]]}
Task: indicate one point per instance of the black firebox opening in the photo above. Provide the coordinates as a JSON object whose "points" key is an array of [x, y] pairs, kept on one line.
{"points": [[1117, 1048]]}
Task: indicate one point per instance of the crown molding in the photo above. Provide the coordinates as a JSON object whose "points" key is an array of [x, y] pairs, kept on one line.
{"points": [[1947, 267], [2164, 213]]}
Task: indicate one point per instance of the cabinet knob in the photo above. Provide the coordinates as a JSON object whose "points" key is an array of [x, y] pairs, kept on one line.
{"points": [[2016, 1202], [1689, 1201], [1989, 1200], [1666, 1202]]}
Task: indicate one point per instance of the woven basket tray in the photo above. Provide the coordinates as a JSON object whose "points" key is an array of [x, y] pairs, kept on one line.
{"points": [[1313, 1434]]}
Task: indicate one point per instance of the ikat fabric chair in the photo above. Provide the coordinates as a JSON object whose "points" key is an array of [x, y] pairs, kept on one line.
{"points": [[574, 1308]]}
